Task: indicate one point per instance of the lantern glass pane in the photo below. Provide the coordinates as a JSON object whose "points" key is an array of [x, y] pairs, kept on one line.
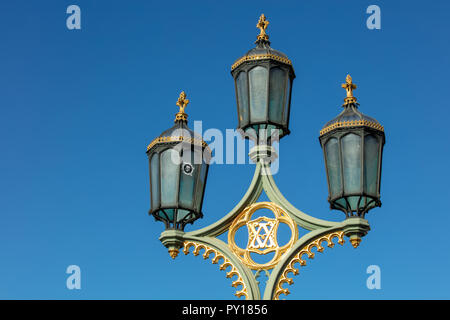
{"points": [[187, 180], [371, 147], [277, 89], [342, 202], [258, 93], [288, 96], [169, 213], [181, 214], [333, 166], [200, 184], [353, 201], [351, 153], [242, 93], [154, 167], [170, 173]]}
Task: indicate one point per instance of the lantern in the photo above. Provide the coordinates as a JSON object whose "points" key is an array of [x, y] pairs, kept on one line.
{"points": [[178, 161], [263, 81], [353, 147]]}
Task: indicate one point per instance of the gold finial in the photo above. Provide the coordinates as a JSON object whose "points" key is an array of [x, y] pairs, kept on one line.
{"points": [[173, 253], [349, 86], [355, 241], [182, 102], [262, 26]]}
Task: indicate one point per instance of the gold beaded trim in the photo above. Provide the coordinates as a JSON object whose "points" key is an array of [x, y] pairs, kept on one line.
{"points": [[352, 123], [260, 57], [169, 139]]}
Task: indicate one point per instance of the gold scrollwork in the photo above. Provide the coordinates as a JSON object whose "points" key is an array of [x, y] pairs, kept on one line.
{"points": [[226, 263], [262, 235], [317, 243]]}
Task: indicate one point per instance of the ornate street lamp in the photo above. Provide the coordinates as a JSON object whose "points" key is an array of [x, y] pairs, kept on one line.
{"points": [[353, 147], [352, 144], [178, 161], [263, 80]]}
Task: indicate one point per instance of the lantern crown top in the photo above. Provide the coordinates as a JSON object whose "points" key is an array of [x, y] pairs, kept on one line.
{"points": [[350, 116], [262, 52], [182, 102], [180, 131], [262, 26], [349, 86]]}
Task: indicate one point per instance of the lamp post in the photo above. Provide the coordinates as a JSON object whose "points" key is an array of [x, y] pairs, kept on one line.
{"points": [[352, 144]]}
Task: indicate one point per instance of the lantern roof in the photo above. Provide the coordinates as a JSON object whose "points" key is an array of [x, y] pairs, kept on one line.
{"points": [[350, 116], [180, 132], [262, 51]]}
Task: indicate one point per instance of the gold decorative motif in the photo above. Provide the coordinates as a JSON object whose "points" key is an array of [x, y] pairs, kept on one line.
{"points": [[262, 26], [169, 139], [355, 241], [266, 240], [349, 86], [262, 235], [225, 264], [307, 249], [173, 253], [260, 57], [182, 102], [352, 123]]}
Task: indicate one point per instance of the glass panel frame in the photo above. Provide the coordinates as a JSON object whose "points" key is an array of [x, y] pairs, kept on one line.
{"points": [[170, 178], [371, 158], [351, 150], [333, 167], [155, 182], [258, 78], [242, 92], [277, 94]]}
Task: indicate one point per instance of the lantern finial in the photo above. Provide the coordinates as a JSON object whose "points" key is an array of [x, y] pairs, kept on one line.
{"points": [[349, 86], [182, 102], [173, 252], [262, 26], [355, 240]]}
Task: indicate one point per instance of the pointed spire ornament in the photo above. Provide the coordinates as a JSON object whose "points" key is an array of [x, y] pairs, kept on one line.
{"points": [[349, 86], [262, 26], [182, 102]]}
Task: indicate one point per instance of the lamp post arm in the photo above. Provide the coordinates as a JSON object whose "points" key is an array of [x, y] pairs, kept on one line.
{"points": [[221, 226]]}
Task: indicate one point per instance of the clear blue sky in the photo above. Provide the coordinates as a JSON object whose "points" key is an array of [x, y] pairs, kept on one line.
{"points": [[78, 109]]}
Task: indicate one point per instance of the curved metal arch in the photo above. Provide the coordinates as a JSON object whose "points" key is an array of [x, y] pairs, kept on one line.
{"points": [[304, 245], [245, 277]]}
